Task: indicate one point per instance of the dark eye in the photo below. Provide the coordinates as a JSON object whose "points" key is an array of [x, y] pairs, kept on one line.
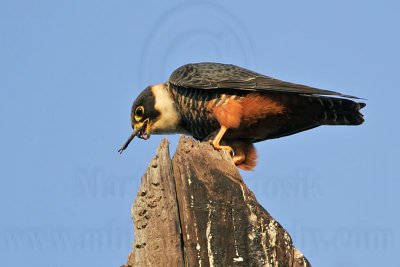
{"points": [[139, 112]]}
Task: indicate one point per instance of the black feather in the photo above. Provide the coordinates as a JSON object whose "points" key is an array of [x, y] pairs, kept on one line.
{"points": [[226, 76]]}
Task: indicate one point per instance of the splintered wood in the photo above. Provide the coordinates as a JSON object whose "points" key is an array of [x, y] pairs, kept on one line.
{"points": [[196, 211]]}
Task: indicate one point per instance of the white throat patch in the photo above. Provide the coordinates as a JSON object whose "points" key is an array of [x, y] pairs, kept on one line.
{"points": [[169, 118]]}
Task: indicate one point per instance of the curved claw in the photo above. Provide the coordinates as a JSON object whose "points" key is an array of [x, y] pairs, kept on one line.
{"points": [[217, 139], [219, 147]]}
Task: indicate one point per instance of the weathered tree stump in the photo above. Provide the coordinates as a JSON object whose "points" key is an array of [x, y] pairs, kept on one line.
{"points": [[196, 211]]}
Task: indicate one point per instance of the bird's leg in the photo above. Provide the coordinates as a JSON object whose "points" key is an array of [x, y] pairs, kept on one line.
{"points": [[211, 137], [239, 158], [218, 138]]}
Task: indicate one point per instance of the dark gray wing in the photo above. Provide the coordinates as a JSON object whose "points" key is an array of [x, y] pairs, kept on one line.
{"points": [[223, 76]]}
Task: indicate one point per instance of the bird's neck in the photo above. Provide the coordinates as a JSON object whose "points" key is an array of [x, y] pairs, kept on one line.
{"points": [[169, 118]]}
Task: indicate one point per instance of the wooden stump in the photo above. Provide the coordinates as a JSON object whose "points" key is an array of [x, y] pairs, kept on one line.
{"points": [[196, 211]]}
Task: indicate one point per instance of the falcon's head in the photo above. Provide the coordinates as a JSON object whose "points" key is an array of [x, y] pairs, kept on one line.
{"points": [[153, 112], [144, 113]]}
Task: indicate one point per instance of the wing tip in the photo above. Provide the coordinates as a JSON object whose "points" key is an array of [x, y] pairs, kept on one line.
{"points": [[352, 96]]}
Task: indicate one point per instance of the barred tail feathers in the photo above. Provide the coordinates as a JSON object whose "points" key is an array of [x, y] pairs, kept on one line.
{"points": [[336, 111]]}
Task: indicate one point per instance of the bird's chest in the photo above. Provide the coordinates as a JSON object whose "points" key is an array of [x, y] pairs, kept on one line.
{"points": [[196, 118]]}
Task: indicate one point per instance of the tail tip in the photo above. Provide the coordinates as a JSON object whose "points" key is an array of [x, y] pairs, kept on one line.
{"points": [[361, 105]]}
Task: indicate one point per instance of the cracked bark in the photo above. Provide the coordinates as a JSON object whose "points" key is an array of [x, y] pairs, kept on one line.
{"points": [[196, 211]]}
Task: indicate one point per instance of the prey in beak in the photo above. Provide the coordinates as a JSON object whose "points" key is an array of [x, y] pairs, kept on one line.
{"points": [[142, 131]]}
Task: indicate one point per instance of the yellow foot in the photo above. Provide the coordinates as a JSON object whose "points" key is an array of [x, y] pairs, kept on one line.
{"points": [[217, 146], [218, 138], [238, 159]]}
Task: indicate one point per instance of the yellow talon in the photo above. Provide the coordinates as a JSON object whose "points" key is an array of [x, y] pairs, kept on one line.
{"points": [[239, 159], [218, 138], [219, 147]]}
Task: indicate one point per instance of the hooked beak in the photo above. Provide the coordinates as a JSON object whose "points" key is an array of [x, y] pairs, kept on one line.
{"points": [[143, 131]]}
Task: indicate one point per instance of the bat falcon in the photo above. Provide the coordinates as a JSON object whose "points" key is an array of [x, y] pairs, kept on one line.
{"points": [[234, 108]]}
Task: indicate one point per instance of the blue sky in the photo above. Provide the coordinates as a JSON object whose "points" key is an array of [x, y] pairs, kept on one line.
{"points": [[69, 71]]}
